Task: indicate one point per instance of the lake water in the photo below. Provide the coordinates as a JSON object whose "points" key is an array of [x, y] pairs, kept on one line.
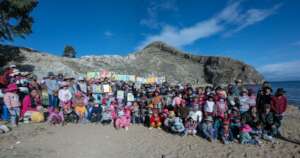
{"points": [[292, 89]]}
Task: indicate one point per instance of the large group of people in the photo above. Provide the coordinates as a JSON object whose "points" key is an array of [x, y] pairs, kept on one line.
{"points": [[232, 113]]}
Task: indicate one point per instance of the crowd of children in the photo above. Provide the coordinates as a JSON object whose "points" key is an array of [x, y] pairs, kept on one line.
{"points": [[231, 113]]}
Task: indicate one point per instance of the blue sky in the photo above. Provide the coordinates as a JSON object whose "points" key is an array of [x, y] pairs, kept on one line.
{"points": [[262, 33]]}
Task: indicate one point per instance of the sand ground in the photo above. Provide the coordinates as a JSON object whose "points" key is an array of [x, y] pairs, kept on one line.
{"points": [[94, 141]]}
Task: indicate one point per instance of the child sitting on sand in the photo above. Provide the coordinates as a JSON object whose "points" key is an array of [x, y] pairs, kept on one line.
{"points": [[268, 121], [70, 116], [80, 108], [136, 118], [207, 129], [235, 122], [245, 137], [226, 134], [95, 113], [177, 126], [107, 114], [191, 127], [56, 117], [155, 120], [122, 120]]}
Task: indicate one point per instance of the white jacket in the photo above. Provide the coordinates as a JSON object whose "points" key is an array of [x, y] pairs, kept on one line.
{"points": [[196, 115], [64, 95]]}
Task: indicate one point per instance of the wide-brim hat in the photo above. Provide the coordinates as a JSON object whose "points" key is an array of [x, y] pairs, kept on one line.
{"points": [[209, 118], [50, 74], [68, 78], [11, 87], [15, 72], [238, 81], [13, 66], [280, 90], [25, 73], [80, 78]]}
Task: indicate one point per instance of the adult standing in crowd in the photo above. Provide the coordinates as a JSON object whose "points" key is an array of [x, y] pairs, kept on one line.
{"points": [[278, 107], [52, 87]]}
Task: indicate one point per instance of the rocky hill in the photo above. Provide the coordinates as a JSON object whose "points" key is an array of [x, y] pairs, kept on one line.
{"points": [[157, 58]]}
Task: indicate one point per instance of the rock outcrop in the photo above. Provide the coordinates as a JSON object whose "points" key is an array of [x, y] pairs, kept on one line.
{"points": [[157, 58]]}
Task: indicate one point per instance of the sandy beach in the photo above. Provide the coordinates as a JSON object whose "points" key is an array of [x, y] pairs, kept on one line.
{"points": [[93, 141]]}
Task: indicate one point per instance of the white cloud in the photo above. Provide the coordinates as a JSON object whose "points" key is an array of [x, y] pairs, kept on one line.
{"points": [[230, 20], [297, 43], [108, 34], [184, 36], [281, 71], [251, 17], [153, 10]]}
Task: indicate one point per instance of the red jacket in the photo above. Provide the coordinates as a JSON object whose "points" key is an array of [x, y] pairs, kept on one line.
{"points": [[278, 104], [152, 119]]}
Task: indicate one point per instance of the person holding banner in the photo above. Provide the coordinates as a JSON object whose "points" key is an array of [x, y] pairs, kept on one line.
{"points": [[96, 91], [82, 86]]}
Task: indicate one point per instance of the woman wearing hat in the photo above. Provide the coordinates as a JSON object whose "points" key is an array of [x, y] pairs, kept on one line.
{"points": [[11, 101], [52, 87], [278, 106], [263, 99]]}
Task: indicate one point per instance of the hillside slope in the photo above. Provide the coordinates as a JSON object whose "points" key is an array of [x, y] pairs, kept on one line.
{"points": [[157, 58]]}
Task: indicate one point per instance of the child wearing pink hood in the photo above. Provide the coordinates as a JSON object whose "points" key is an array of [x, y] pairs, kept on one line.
{"points": [[123, 119], [245, 136], [56, 117]]}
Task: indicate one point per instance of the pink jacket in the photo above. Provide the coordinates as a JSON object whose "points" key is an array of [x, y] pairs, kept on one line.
{"points": [[123, 121], [26, 106], [11, 100], [221, 108]]}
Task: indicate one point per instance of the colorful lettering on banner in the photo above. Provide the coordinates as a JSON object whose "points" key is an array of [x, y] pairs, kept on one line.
{"points": [[131, 78], [130, 97], [151, 80], [161, 80], [91, 75], [97, 75], [113, 76], [140, 79], [124, 77], [104, 73], [98, 88], [106, 88], [120, 94]]}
